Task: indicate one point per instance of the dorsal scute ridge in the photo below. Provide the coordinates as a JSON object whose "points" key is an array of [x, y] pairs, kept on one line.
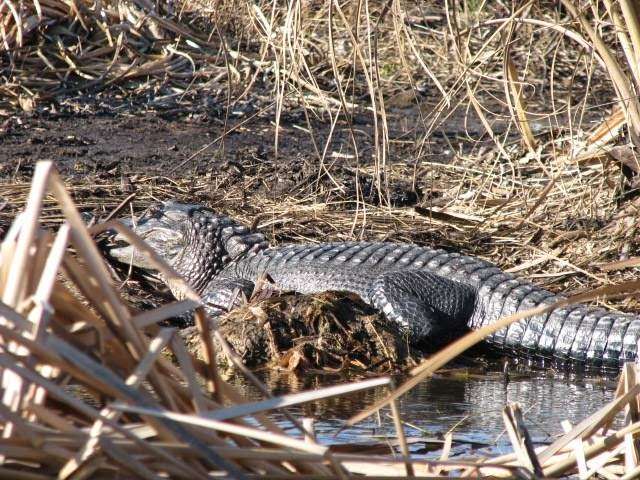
{"points": [[237, 239]]}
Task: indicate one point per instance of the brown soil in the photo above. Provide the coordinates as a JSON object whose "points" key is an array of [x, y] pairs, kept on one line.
{"points": [[193, 153], [89, 135], [149, 142]]}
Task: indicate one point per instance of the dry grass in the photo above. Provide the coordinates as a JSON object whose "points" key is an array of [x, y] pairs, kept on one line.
{"points": [[537, 67], [526, 99], [539, 113], [87, 391], [58, 47]]}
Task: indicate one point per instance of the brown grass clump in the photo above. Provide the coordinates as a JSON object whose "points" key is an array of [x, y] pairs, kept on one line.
{"points": [[58, 47], [87, 391]]}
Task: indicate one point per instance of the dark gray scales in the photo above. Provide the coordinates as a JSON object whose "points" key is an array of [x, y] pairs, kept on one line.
{"points": [[434, 295], [569, 331], [428, 305], [599, 338], [615, 350]]}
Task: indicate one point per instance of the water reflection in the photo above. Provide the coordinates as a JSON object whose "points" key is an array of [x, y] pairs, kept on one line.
{"points": [[471, 405]]}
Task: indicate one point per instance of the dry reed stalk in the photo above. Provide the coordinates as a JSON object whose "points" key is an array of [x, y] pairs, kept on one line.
{"points": [[517, 104], [520, 439], [134, 380], [631, 16], [404, 449], [628, 100], [172, 429], [13, 293], [292, 399], [632, 415]]}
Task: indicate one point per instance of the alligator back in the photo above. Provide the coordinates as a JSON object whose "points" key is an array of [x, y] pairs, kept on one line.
{"points": [[577, 332]]}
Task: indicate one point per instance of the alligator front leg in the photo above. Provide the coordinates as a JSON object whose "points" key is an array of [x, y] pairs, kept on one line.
{"points": [[223, 295], [433, 308]]}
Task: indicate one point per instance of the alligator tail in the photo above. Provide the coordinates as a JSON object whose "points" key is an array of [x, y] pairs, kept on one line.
{"points": [[575, 333]]}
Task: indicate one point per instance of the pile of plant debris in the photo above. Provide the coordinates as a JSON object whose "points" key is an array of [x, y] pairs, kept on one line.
{"points": [[329, 333]]}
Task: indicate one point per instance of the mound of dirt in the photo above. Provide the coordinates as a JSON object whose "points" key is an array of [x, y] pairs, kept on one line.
{"points": [[329, 332]]}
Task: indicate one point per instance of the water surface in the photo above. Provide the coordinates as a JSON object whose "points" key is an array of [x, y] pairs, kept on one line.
{"points": [[470, 405]]}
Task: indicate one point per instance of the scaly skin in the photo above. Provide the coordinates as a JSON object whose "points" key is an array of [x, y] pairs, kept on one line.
{"points": [[435, 294]]}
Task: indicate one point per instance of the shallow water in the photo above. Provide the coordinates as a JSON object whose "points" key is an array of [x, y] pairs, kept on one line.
{"points": [[470, 405]]}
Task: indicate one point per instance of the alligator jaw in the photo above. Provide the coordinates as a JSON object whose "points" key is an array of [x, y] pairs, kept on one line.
{"points": [[119, 248]]}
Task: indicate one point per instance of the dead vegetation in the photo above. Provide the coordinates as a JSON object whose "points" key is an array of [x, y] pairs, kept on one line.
{"points": [[510, 127], [324, 334], [88, 392], [514, 126]]}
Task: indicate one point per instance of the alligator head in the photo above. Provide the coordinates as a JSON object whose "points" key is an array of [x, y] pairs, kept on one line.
{"points": [[197, 242]]}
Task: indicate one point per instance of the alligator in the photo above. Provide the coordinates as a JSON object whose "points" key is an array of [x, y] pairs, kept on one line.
{"points": [[434, 295]]}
